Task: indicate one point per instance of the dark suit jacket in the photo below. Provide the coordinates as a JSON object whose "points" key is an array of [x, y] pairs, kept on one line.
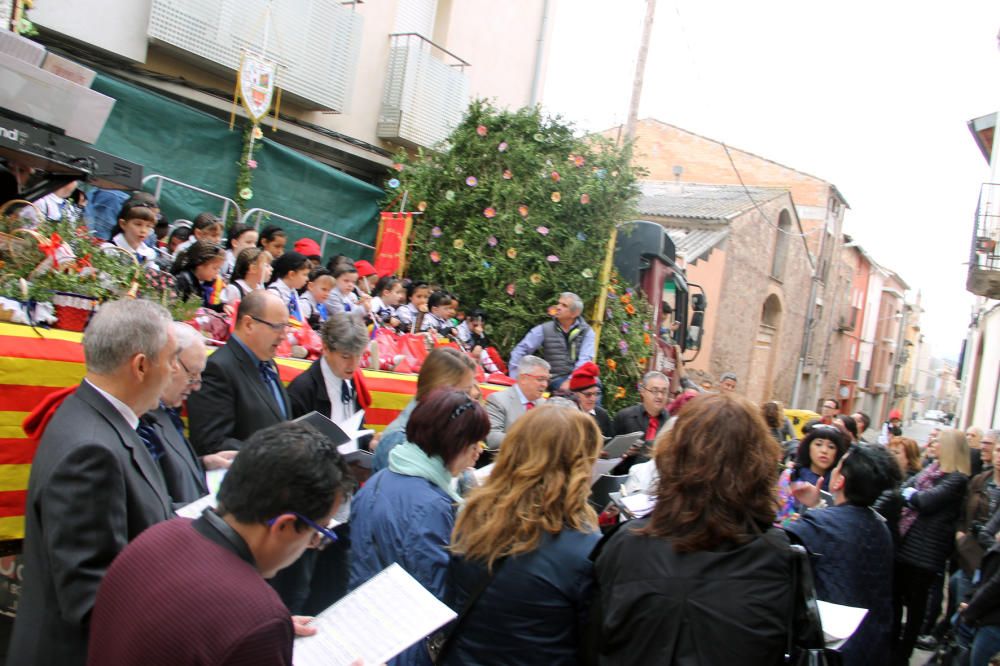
{"points": [[181, 467], [604, 421], [307, 393], [635, 419], [233, 402], [93, 488]]}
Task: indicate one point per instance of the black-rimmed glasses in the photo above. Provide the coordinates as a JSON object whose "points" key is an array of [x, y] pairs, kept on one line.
{"points": [[277, 328]]}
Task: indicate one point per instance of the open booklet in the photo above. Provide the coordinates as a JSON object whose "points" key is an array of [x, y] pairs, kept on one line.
{"points": [[839, 622], [345, 435], [374, 623]]}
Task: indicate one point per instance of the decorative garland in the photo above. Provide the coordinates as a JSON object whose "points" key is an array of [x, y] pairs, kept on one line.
{"points": [[248, 162], [20, 23]]}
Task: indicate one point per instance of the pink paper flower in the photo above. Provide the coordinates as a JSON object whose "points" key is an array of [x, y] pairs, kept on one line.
{"points": [[552, 258], [585, 198], [523, 210], [542, 230], [251, 164], [490, 212], [556, 176], [492, 241], [507, 175], [471, 181], [578, 160], [510, 289], [503, 147], [482, 131], [435, 256]]}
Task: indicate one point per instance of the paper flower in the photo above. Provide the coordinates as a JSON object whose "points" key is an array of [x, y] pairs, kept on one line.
{"points": [[436, 232], [623, 346], [580, 236], [552, 259], [482, 131], [585, 198], [612, 364], [422, 206], [556, 197], [641, 361], [587, 273], [518, 228], [620, 393], [246, 194], [542, 230], [397, 166], [487, 264], [435, 256], [257, 133], [535, 278], [503, 147], [507, 175], [393, 183], [625, 327], [458, 243], [251, 164], [646, 339], [539, 137], [578, 160], [523, 210], [511, 253], [627, 297], [490, 212], [492, 241], [630, 309], [449, 195], [555, 176], [510, 289], [471, 181]]}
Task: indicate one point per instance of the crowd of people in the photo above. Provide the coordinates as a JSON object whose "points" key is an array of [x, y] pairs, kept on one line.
{"points": [[488, 503]]}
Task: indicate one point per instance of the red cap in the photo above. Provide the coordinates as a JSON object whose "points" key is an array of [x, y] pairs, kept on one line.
{"points": [[308, 247], [896, 414], [584, 377], [364, 268]]}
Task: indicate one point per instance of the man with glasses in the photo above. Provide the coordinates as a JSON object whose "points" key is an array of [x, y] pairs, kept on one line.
{"points": [[828, 410], [162, 430], [566, 342], [505, 407], [241, 391], [650, 415], [585, 384], [192, 592]]}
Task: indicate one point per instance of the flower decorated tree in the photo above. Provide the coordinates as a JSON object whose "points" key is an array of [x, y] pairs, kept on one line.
{"points": [[515, 211]]}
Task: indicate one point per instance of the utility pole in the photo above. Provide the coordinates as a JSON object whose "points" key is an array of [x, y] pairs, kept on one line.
{"points": [[640, 70]]}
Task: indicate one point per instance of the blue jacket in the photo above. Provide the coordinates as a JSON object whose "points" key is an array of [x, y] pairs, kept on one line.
{"points": [[852, 558], [534, 609], [407, 520]]}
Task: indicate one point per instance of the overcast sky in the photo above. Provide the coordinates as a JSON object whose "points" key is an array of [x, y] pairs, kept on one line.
{"points": [[871, 96]]}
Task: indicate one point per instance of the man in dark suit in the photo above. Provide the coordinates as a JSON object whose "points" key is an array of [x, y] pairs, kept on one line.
{"points": [[93, 485], [648, 417], [241, 392], [163, 430]]}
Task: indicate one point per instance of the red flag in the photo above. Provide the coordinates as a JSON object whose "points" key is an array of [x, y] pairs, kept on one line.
{"points": [[390, 248]]}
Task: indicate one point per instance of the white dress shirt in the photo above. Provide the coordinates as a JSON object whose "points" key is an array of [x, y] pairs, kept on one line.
{"points": [[123, 409], [339, 412]]}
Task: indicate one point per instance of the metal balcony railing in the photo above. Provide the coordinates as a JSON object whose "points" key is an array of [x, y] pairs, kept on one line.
{"points": [[425, 94], [984, 259]]}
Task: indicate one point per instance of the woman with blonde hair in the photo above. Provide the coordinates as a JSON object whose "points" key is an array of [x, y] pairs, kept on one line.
{"points": [[522, 542], [932, 505], [705, 578]]}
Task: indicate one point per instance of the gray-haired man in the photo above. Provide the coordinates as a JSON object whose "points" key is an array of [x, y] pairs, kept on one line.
{"points": [[505, 407], [566, 342], [94, 485]]}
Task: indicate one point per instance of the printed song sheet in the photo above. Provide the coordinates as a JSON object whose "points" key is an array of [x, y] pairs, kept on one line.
{"points": [[839, 622], [374, 623]]}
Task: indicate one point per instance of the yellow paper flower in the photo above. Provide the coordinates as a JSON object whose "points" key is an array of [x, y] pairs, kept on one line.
{"points": [[612, 365], [511, 253], [422, 206], [556, 197], [535, 278], [458, 244], [620, 393]]}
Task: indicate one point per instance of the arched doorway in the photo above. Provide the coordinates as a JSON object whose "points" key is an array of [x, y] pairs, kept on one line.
{"points": [[765, 349]]}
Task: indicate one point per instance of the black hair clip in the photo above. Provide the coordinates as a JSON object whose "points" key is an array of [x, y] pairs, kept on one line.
{"points": [[461, 409]]}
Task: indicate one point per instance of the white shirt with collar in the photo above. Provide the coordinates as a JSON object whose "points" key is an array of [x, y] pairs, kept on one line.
{"points": [[339, 412], [147, 255], [123, 409], [525, 401]]}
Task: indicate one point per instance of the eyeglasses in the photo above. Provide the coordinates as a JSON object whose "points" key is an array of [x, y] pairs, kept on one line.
{"points": [[594, 393], [537, 378], [318, 537], [193, 378], [656, 392], [277, 328]]}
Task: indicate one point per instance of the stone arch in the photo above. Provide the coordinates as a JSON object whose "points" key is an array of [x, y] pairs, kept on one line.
{"points": [[765, 349]]}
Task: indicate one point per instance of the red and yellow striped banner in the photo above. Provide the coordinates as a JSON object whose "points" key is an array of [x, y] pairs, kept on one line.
{"points": [[35, 362]]}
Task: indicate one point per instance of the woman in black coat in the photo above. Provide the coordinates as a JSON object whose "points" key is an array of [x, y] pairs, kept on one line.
{"points": [[927, 524], [705, 579]]}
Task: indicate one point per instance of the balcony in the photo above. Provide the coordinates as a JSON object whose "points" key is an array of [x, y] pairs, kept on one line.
{"points": [[315, 43], [984, 261], [425, 94]]}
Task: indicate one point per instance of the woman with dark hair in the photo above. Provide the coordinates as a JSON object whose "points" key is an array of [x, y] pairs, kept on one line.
{"points": [[532, 515], [777, 422], [817, 455], [197, 272], [273, 239], [704, 579], [290, 274], [405, 514], [847, 426]]}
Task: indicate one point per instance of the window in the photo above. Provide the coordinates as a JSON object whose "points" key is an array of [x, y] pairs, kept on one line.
{"points": [[781, 245]]}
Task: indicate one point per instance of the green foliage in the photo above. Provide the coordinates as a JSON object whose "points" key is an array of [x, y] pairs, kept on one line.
{"points": [[516, 211], [246, 164], [626, 344]]}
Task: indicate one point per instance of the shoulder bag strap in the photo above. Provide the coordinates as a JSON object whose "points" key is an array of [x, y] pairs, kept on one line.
{"points": [[469, 603]]}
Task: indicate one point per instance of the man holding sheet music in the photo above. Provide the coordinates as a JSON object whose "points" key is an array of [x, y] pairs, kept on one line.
{"points": [[280, 492]]}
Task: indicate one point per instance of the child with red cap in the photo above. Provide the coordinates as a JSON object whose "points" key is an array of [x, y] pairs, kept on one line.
{"points": [[585, 383]]}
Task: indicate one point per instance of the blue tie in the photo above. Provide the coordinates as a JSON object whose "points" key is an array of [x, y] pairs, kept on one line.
{"points": [[293, 306], [347, 392], [152, 441], [270, 376]]}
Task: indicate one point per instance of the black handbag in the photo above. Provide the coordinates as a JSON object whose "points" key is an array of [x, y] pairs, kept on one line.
{"points": [[806, 645]]}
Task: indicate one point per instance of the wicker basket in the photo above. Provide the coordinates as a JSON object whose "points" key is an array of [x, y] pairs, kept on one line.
{"points": [[73, 311]]}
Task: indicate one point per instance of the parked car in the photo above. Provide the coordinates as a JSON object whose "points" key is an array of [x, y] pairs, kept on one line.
{"points": [[935, 415]]}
